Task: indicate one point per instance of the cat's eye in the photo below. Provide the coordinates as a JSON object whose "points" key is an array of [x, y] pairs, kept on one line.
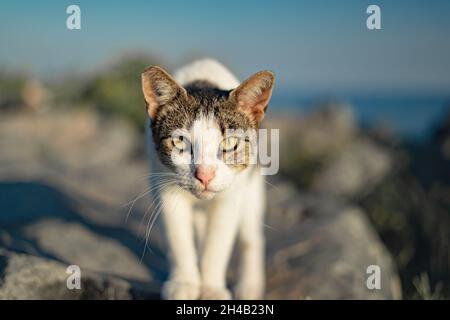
{"points": [[181, 143], [229, 144]]}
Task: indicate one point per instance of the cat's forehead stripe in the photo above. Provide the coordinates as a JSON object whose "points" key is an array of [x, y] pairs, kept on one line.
{"points": [[202, 100]]}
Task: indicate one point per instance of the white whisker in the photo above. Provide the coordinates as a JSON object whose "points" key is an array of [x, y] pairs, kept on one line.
{"points": [[153, 219], [146, 191]]}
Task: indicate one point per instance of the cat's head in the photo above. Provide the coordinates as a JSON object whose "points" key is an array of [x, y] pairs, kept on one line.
{"points": [[206, 136]]}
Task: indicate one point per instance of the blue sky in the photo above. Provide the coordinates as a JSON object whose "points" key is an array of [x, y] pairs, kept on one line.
{"points": [[314, 45]]}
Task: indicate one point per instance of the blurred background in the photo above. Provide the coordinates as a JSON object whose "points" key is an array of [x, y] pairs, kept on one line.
{"points": [[364, 118]]}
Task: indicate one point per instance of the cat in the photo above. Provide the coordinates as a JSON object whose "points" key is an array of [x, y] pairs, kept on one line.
{"points": [[207, 199]]}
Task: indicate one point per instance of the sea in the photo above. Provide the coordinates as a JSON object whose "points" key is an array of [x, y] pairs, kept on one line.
{"points": [[410, 116]]}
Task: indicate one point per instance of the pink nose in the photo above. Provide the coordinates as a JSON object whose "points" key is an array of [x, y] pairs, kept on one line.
{"points": [[205, 174]]}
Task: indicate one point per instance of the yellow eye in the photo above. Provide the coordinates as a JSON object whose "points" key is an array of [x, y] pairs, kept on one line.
{"points": [[229, 144], [180, 143]]}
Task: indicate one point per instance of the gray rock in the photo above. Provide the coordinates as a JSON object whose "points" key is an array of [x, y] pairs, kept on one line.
{"points": [[320, 248], [356, 171], [23, 276], [76, 244]]}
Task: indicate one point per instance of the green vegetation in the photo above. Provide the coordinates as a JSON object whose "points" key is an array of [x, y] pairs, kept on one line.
{"points": [[11, 86], [414, 224], [117, 90]]}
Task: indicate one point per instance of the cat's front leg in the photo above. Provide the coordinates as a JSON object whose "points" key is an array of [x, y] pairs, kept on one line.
{"points": [[251, 281], [184, 281], [221, 232]]}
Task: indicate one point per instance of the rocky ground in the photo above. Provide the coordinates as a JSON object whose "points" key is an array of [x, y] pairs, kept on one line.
{"points": [[66, 179]]}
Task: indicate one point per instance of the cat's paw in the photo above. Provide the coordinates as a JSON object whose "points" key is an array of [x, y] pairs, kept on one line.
{"points": [[176, 290], [249, 291], [215, 293]]}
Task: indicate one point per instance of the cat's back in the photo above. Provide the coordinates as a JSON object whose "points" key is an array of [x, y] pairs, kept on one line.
{"points": [[208, 70]]}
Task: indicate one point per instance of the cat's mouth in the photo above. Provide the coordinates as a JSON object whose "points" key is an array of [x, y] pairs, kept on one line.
{"points": [[199, 191], [206, 194]]}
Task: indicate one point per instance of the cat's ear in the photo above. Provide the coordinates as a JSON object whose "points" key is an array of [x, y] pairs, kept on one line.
{"points": [[253, 95], [159, 88]]}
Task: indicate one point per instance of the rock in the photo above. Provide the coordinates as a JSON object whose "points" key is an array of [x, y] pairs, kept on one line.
{"points": [[76, 244], [24, 276], [320, 248], [44, 220], [318, 134], [69, 141], [355, 171], [34, 95]]}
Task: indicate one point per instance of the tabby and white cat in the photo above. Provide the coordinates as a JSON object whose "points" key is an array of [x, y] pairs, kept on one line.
{"points": [[207, 200]]}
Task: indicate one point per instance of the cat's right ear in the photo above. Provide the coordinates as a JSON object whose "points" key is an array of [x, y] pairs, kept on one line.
{"points": [[159, 88]]}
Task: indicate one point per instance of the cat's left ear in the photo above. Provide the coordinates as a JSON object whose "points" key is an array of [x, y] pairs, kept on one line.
{"points": [[159, 88], [253, 95]]}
